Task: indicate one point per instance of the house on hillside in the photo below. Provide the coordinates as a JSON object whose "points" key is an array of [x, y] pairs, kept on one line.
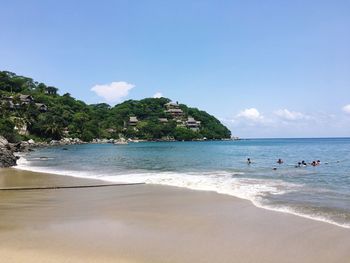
{"points": [[133, 121], [173, 108], [7, 98], [192, 124], [7, 102], [172, 105], [175, 112], [41, 107], [26, 99]]}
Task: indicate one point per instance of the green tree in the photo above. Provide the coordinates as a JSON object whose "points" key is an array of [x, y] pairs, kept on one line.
{"points": [[7, 130]]}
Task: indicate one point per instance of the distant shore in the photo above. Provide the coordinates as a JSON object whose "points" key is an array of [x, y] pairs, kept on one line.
{"points": [[148, 223]]}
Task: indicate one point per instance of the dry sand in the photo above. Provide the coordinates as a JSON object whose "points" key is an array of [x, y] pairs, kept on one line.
{"points": [[148, 223]]}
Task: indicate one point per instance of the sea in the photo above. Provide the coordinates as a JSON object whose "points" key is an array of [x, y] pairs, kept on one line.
{"points": [[319, 192]]}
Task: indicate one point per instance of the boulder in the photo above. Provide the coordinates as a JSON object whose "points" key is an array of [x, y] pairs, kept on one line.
{"points": [[3, 142], [65, 141], [22, 147], [54, 142], [31, 141], [77, 141], [7, 158]]}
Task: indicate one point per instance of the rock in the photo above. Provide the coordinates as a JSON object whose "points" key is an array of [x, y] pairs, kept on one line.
{"points": [[3, 142], [65, 141], [7, 158], [77, 141], [121, 141], [54, 142], [31, 141], [24, 144], [14, 147], [22, 147], [100, 141]]}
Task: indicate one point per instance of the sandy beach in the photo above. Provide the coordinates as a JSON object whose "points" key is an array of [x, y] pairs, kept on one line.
{"points": [[151, 223]]}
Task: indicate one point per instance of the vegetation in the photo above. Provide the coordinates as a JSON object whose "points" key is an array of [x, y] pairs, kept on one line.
{"points": [[66, 116]]}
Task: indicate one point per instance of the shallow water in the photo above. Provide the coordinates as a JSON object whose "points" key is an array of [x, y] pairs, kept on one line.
{"points": [[321, 192]]}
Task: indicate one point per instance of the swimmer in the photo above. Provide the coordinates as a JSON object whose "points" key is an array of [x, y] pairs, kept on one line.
{"points": [[279, 161], [298, 165], [249, 161]]}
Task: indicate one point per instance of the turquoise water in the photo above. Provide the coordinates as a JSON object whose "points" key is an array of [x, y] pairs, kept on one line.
{"points": [[321, 192]]}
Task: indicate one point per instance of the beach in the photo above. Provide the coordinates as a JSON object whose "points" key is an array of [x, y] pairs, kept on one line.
{"points": [[152, 223]]}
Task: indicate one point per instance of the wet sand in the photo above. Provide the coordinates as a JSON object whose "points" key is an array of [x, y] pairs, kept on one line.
{"points": [[149, 223]]}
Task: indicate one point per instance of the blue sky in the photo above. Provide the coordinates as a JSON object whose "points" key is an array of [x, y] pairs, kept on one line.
{"points": [[265, 68]]}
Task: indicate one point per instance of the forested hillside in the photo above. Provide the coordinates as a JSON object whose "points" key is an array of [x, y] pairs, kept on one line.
{"points": [[31, 109]]}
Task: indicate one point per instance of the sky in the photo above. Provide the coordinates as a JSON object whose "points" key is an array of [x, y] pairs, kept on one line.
{"points": [[264, 68]]}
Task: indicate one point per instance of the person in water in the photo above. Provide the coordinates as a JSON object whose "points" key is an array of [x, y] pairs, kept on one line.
{"points": [[303, 163], [279, 161], [316, 163], [249, 161]]}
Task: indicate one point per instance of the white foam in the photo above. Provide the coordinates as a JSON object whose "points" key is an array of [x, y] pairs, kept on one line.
{"points": [[220, 182], [24, 164]]}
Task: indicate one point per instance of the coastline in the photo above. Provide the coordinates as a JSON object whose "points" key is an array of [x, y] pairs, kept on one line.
{"points": [[152, 223], [184, 185]]}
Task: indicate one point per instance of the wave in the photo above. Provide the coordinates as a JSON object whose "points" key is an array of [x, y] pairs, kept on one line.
{"points": [[222, 182]]}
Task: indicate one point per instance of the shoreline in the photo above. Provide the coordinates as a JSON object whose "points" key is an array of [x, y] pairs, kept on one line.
{"points": [[285, 210], [152, 223]]}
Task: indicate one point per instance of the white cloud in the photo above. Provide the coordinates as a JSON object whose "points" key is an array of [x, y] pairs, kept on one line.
{"points": [[290, 115], [287, 123], [346, 109], [114, 91], [157, 95], [251, 114]]}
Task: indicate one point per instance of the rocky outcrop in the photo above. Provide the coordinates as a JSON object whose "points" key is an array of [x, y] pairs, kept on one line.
{"points": [[121, 140], [101, 141], [25, 146], [7, 158], [7, 150], [66, 141]]}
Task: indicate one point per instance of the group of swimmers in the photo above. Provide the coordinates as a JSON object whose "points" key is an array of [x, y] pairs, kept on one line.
{"points": [[300, 164], [313, 163]]}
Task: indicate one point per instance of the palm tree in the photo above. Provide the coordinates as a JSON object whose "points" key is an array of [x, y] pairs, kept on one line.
{"points": [[54, 130]]}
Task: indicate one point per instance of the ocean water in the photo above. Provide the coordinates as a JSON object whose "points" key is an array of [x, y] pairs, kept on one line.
{"points": [[320, 193]]}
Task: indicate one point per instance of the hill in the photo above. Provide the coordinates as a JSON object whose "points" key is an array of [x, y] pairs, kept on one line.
{"points": [[30, 109]]}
